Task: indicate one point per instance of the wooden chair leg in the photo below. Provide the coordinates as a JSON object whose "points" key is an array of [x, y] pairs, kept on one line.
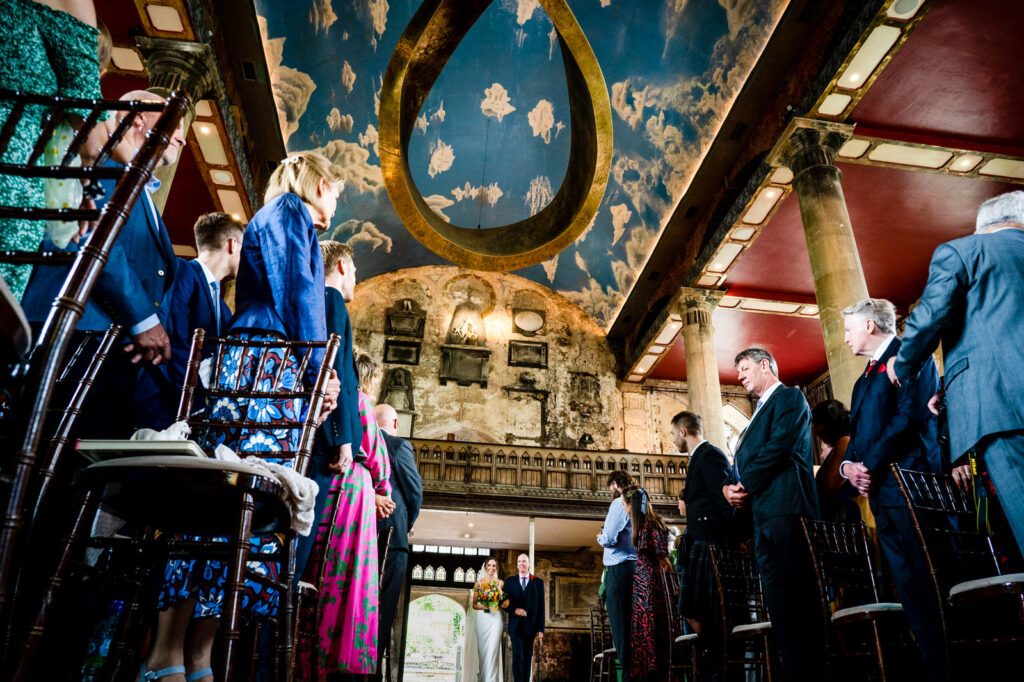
{"points": [[231, 618], [88, 504], [122, 660], [286, 618]]}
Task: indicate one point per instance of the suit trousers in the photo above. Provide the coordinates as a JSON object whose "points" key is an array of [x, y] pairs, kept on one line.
{"points": [[522, 656], [618, 596], [909, 571], [318, 471], [390, 592], [1004, 457], [787, 574]]}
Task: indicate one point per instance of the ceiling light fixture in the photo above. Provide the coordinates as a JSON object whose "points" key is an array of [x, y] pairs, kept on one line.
{"points": [[465, 535], [854, 77], [470, 525]]}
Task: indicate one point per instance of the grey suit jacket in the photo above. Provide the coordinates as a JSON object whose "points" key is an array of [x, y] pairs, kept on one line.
{"points": [[973, 303]]}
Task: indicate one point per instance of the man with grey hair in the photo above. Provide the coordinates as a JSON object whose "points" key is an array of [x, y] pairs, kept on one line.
{"points": [[889, 425], [974, 304], [773, 474]]}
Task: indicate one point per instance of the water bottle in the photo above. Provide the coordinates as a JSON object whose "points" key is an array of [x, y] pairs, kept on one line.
{"points": [[99, 645]]}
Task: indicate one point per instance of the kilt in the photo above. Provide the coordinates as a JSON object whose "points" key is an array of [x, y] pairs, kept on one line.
{"points": [[698, 598]]}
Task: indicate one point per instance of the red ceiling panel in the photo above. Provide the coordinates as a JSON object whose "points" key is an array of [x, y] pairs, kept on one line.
{"points": [[795, 342], [899, 217], [189, 199], [958, 76]]}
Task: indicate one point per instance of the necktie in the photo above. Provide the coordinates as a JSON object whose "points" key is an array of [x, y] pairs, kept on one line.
{"points": [[870, 367], [522, 581], [215, 291]]}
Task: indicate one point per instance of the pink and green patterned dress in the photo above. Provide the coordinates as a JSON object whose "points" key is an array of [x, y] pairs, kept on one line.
{"points": [[346, 631]]}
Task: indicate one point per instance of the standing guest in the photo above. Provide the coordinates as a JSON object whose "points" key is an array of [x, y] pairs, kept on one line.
{"points": [[137, 276], [774, 475], [193, 302], [972, 303], [48, 49], [525, 597], [619, 561], [649, 643], [830, 422], [346, 635], [339, 437], [407, 494], [280, 296], [707, 523], [886, 426]]}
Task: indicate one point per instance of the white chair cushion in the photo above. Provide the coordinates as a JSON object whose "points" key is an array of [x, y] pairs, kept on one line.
{"points": [[179, 462], [599, 657], [971, 585], [752, 627], [687, 638], [864, 609]]}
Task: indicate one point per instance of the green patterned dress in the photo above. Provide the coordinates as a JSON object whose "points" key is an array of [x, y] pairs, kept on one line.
{"points": [[46, 52]]}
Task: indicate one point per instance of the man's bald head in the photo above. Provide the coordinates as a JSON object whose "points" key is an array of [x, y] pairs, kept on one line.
{"points": [[145, 121], [387, 418]]}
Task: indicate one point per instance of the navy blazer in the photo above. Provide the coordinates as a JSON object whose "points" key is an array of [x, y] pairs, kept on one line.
{"points": [[133, 283], [406, 491], [343, 425], [280, 283], [893, 425], [775, 457], [972, 303], [189, 305], [707, 511], [531, 601]]}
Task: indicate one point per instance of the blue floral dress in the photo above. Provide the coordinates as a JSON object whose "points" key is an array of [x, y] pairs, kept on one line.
{"points": [[204, 580]]}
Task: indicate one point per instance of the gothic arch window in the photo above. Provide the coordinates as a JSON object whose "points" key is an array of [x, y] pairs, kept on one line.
{"points": [[428, 574], [470, 576], [417, 572], [441, 574], [460, 575]]}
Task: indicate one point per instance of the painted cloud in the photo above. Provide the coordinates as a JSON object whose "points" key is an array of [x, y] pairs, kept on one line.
{"points": [[550, 267], [363, 232], [339, 123], [580, 264], [441, 158], [369, 138], [439, 114], [496, 102], [631, 113], [539, 194], [292, 88], [348, 76], [356, 171], [524, 10], [620, 216], [600, 303], [378, 13], [542, 120], [482, 195], [322, 15], [437, 204], [422, 123]]}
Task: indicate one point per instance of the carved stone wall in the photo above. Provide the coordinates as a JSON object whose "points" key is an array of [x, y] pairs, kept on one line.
{"points": [[548, 378]]}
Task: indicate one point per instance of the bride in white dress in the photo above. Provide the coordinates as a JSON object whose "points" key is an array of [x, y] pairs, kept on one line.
{"points": [[489, 625]]}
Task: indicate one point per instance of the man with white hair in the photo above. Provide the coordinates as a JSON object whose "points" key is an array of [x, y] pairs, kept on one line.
{"points": [[407, 495], [974, 304], [129, 290], [889, 425]]}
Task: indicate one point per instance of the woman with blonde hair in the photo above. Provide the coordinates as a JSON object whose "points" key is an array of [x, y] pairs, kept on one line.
{"points": [[279, 296], [345, 552]]}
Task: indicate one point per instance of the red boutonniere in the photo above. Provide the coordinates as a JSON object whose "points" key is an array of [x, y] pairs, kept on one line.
{"points": [[880, 368]]}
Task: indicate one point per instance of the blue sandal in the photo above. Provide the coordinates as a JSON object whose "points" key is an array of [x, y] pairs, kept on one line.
{"points": [[146, 676], [199, 674]]}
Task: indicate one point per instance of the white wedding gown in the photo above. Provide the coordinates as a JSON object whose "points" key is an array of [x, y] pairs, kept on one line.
{"points": [[489, 627]]}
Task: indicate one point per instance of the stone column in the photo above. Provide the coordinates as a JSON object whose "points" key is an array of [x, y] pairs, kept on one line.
{"points": [[702, 384], [808, 147], [177, 65]]}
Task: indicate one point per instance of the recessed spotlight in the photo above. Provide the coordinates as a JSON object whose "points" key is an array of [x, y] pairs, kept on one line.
{"points": [[465, 535], [854, 77], [770, 193], [965, 162], [717, 266], [470, 525], [205, 130]]}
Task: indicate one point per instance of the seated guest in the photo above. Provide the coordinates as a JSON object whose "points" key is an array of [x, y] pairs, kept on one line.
{"points": [[280, 295], [407, 494], [345, 557], [707, 523], [890, 425], [830, 422], [648, 637], [138, 273], [193, 302]]}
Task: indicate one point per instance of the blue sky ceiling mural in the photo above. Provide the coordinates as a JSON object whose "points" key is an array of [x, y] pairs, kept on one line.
{"points": [[491, 143]]}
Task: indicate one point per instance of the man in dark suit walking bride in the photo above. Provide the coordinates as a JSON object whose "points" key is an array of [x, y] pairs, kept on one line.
{"points": [[525, 605]]}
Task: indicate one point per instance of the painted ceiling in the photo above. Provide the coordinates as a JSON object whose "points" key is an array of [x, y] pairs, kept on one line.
{"points": [[491, 145]]}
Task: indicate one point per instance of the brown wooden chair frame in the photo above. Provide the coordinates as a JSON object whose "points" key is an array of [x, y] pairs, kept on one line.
{"points": [[51, 346], [683, 648], [137, 477], [741, 600]]}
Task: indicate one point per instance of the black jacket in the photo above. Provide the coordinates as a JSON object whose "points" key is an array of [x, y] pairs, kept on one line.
{"points": [[707, 511], [406, 491], [532, 601]]}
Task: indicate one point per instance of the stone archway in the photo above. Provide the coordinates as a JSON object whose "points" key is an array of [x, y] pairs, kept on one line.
{"points": [[435, 639]]}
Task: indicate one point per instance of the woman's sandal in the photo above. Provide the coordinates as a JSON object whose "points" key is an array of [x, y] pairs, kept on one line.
{"points": [[199, 674], [146, 676]]}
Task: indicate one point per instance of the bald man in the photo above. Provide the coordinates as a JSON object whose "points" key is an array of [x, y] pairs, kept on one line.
{"points": [[407, 494], [130, 289]]}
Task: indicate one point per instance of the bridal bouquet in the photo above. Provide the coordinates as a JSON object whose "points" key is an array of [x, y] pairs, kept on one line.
{"points": [[489, 595]]}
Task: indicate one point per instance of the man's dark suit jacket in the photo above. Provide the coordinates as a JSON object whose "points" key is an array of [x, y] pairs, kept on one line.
{"points": [[406, 491], [532, 601], [893, 425], [775, 457], [343, 425], [707, 511], [972, 303]]}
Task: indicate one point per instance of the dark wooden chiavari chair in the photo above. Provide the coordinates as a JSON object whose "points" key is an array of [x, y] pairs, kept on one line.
{"points": [[982, 611], [683, 654], [596, 645], [858, 625], [170, 496], [746, 628], [34, 389], [609, 659]]}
